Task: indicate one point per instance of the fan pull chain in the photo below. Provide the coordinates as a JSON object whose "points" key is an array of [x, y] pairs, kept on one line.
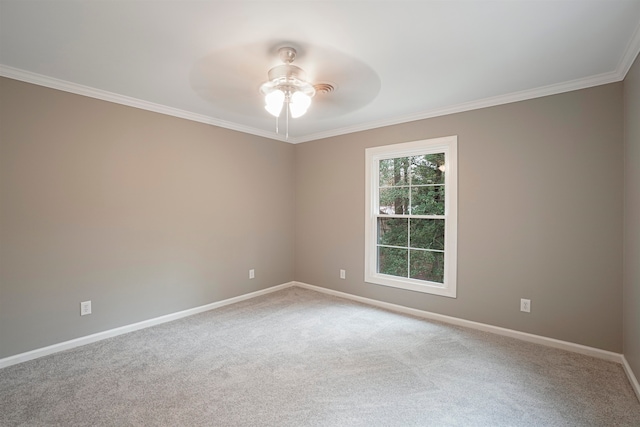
{"points": [[287, 134]]}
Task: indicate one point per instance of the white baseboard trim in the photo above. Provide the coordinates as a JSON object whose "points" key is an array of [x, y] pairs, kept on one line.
{"points": [[537, 339], [77, 342], [524, 336], [632, 378]]}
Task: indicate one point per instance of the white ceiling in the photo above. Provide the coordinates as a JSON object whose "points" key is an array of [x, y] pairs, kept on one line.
{"points": [[391, 61]]}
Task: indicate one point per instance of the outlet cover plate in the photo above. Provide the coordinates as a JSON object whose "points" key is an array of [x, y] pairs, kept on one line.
{"points": [[525, 305], [85, 308]]}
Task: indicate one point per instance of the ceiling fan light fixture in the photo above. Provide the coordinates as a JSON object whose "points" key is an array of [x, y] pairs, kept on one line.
{"points": [[287, 85], [274, 102], [299, 104]]}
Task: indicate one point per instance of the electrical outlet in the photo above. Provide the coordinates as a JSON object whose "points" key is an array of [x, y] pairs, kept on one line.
{"points": [[343, 274], [252, 274], [85, 308], [525, 305]]}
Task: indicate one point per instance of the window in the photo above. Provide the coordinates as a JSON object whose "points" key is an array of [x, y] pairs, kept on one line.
{"points": [[411, 208]]}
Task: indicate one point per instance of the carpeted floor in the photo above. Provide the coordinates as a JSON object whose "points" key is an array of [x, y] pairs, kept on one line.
{"points": [[300, 358]]}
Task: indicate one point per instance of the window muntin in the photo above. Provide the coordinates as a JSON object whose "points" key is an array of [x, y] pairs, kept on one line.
{"points": [[411, 216]]}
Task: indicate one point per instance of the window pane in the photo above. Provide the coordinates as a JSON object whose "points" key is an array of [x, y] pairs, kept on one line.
{"points": [[395, 172], [426, 265], [427, 233], [393, 231], [386, 173], [427, 169], [394, 201], [392, 261], [427, 200]]}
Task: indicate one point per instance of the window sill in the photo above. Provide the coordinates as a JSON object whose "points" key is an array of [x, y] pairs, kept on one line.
{"points": [[411, 284]]}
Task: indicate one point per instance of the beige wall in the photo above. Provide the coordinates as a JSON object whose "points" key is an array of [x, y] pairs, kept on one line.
{"points": [[631, 298], [540, 215], [146, 214], [141, 213]]}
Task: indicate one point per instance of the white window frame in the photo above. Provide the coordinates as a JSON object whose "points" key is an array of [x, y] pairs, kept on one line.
{"points": [[447, 145]]}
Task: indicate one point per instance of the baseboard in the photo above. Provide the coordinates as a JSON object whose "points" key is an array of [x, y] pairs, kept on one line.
{"points": [[632, 378], [524, 336], [550, 342], [66, 345], [537, 339]]}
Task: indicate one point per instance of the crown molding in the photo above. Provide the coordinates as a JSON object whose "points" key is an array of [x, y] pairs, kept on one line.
{"points": [[600, 79], [78, 89], [631, 52]]}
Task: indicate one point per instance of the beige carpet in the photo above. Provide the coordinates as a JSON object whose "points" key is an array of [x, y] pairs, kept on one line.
{"points": [[300, 358]]}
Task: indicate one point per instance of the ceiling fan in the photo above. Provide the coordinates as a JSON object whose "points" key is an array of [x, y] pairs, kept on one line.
{"points": [[236, 81], [288, 88]]}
